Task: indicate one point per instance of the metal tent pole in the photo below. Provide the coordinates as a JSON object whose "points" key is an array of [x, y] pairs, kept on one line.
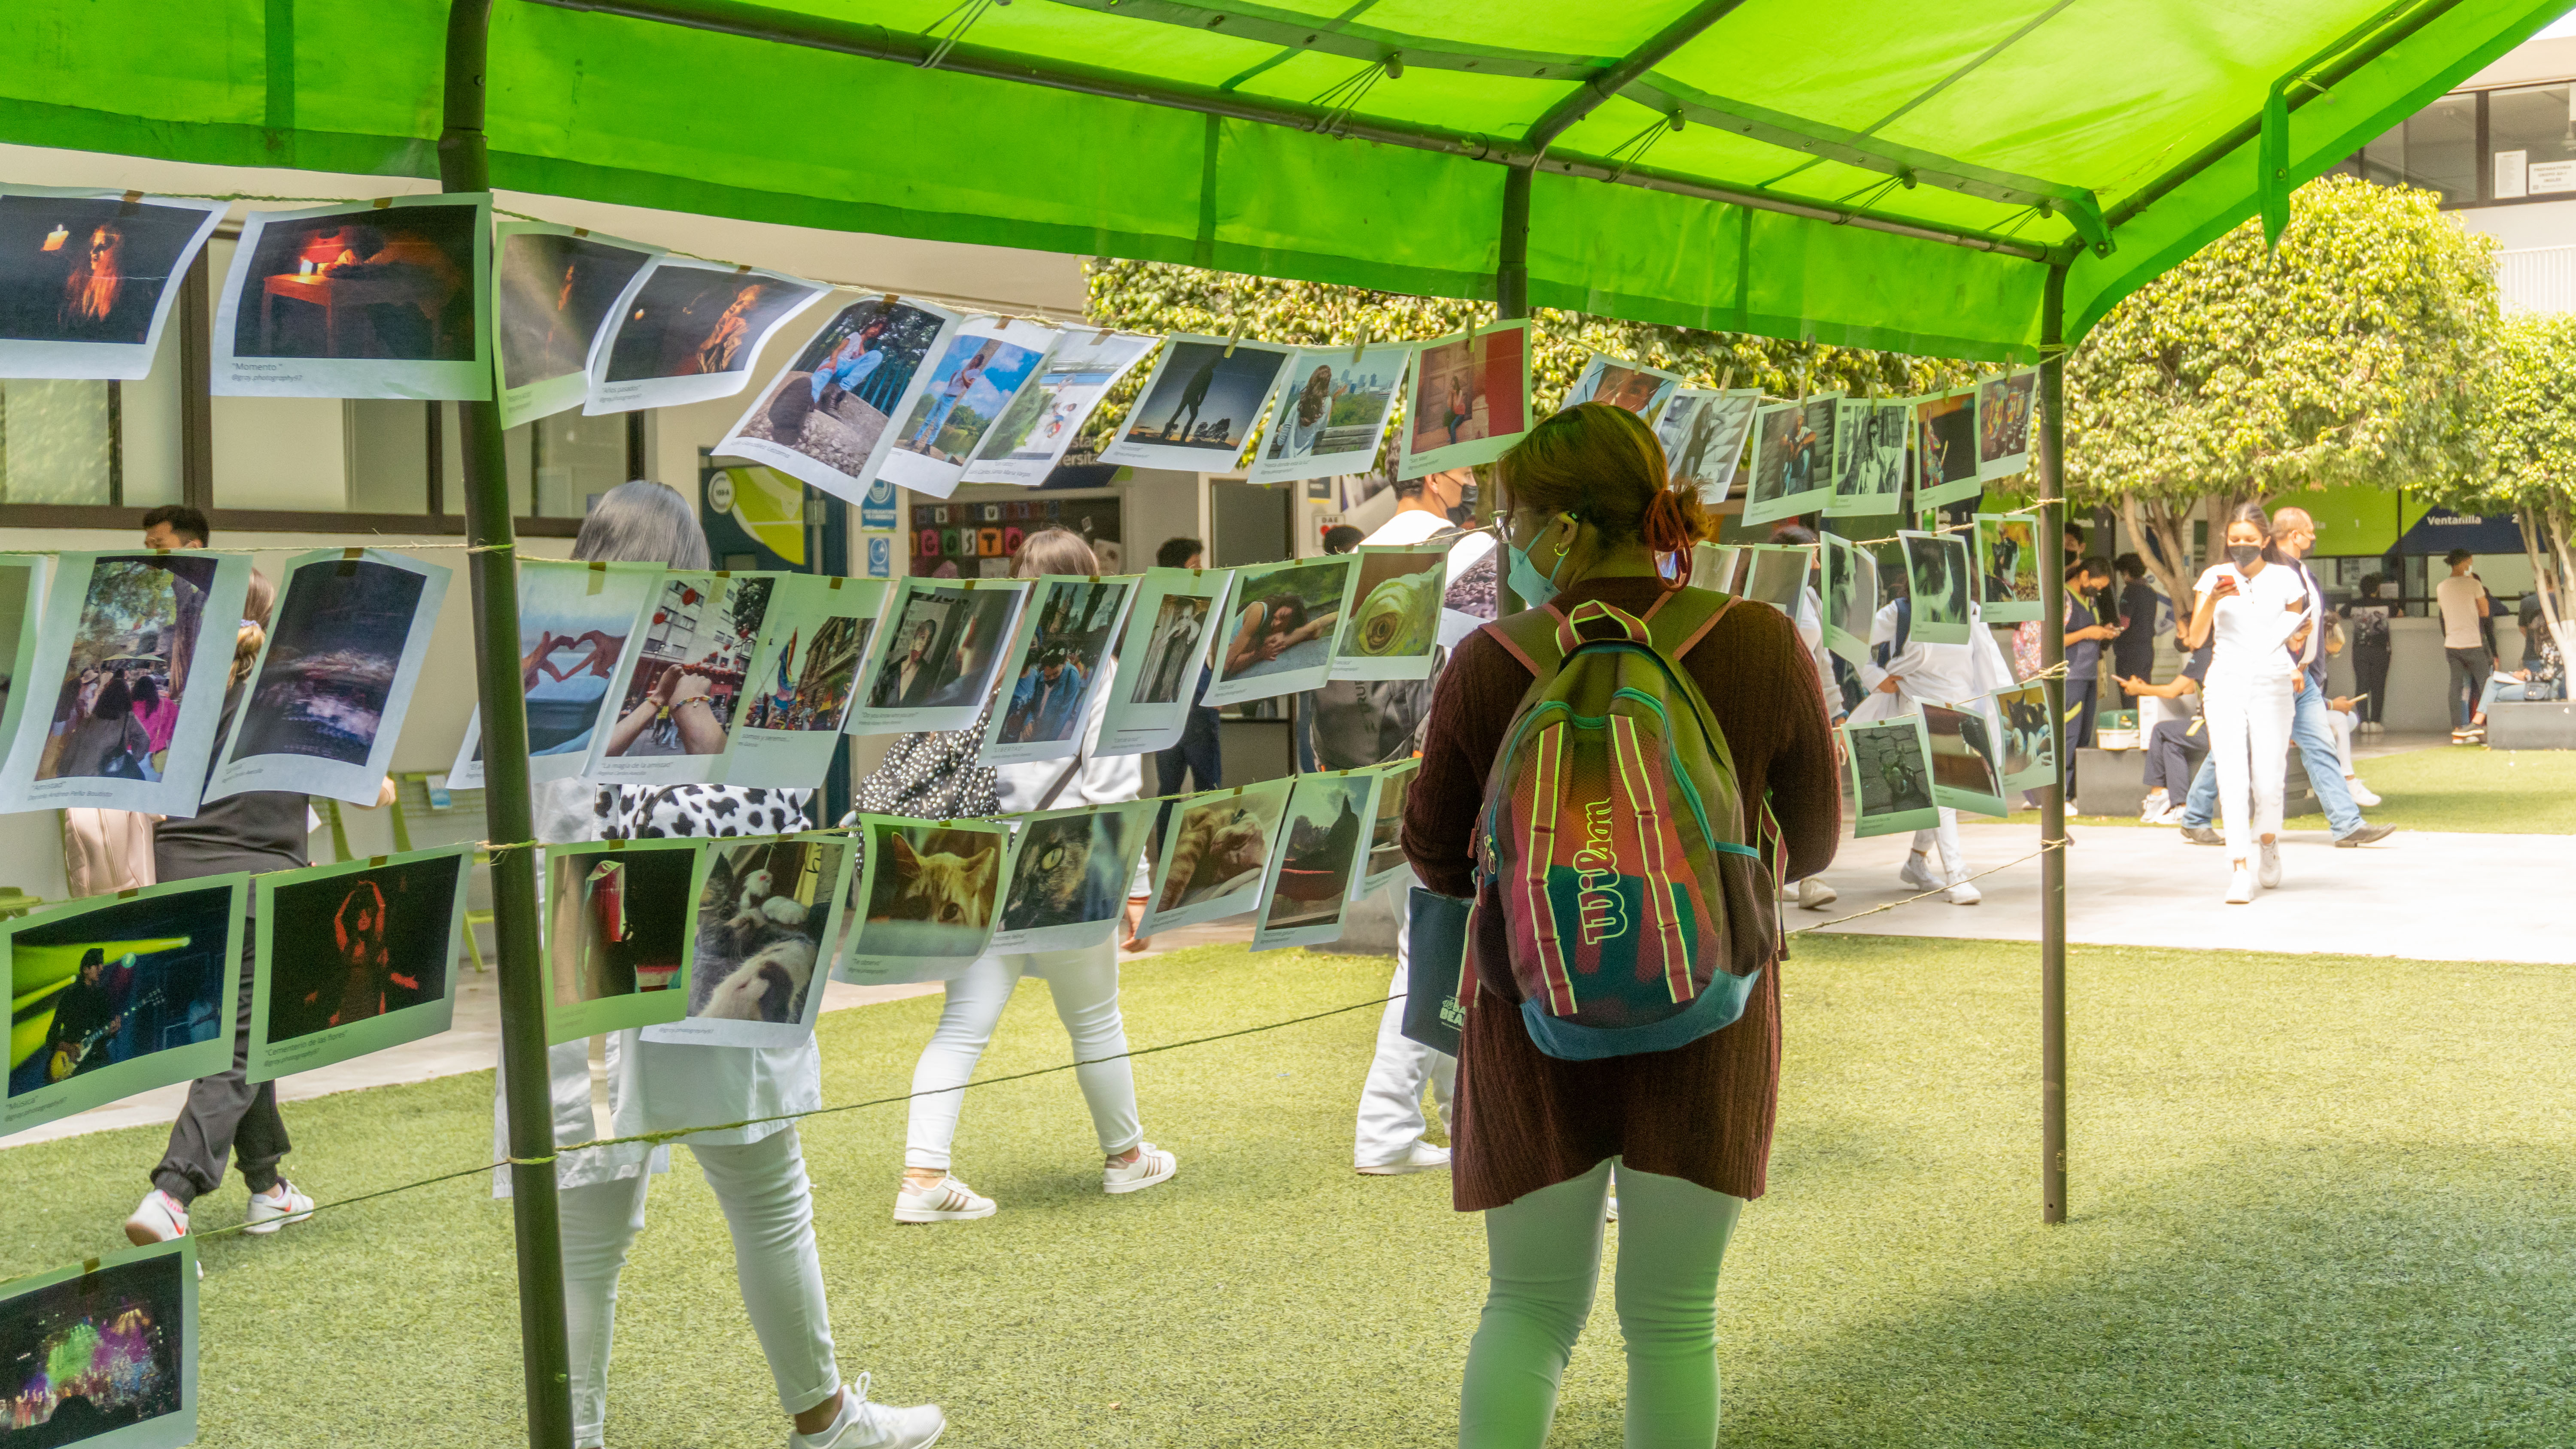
{"points": [[2052, 808], [1511, 301], [543, 1345]]}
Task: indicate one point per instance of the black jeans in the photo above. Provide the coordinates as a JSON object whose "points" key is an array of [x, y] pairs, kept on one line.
{"points": [[1197, 753], [2470, 666], [2174, 748], [226, 1117], [2370, 676]]}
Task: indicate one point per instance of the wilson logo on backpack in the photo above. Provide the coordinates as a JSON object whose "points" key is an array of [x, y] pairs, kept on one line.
{"points": [[1611, 846]]}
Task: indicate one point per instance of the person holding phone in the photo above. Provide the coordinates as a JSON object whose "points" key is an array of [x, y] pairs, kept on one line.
{"points": [[2249, 606]]}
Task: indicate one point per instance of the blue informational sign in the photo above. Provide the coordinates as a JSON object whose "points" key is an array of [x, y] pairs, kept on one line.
{"points": [[877, 510], [880, 555]]}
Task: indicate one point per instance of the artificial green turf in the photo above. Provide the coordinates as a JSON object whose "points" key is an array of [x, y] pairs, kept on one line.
{"points": [[2318, 1200], [2449, 787]]}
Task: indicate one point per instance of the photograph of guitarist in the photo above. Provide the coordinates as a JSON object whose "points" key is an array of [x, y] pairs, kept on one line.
{"points": [[87, 1013]]}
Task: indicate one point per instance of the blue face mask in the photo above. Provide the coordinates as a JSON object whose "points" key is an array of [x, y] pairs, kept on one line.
{"points": [[1535, 588]]}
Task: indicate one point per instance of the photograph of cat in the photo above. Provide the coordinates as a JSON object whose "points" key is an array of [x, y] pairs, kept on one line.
{"points": [[1069, 872], [761, 919], [1217, 848], [932, 889]]}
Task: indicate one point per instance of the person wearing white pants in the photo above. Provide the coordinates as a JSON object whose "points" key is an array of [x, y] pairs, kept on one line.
{"points": [[1084, 982], [2259, 613], [1902, 672], [1391, 1123]]}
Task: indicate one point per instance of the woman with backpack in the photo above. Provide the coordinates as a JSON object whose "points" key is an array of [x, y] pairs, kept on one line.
{"points": [[1547, 1103]]}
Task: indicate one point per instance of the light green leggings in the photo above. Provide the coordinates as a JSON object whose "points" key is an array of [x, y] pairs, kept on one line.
{"points": [[1544, 1255]]}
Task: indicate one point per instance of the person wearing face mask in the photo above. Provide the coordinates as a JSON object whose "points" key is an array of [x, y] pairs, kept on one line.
{"points": [[2250, 605]]}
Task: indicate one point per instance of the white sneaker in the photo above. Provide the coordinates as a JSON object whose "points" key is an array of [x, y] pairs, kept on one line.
{"points": [[158, 1219], [2154, 806], [1815, 895], [2240, 887], [1963, 892], [1917, 872], [1420, 1157], [944, 1201], [2271, 865], [1152, 1165], [2362, 794], [275, 1208], [863, 1425], [2172, 817]]}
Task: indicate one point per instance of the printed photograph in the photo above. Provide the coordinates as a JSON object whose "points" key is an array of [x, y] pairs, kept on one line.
{"points": [[1034, 431], [117, 704], [1778, 576], [934, 890], [687, 688], [1076, 622], [1703, 434], [1072, 869], [618, 923], [96, 1353], [1397, 616], [349, 947], [1204, 400], [573, 628], [1965, 773], [1317, 851], [89, 269], [1331, 413], [2008, 566], [340, 633], [1284, 615], [1891, 776], [555, 293], [1470, 389], [1937, 575], [691, 321], [2003, 423], [2029, 745], [812, 689], [98, 987], [1793, 458], [395, 284], [833, 403], [1622, 384], [948, 643], [1178, 644], [974, 379], [761, 918], [1386, 830], [1945, 449], [1219, 846], [18, 608], [1850, 598]]}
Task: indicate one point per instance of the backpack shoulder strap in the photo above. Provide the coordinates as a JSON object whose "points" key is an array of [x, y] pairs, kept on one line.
{"points": [[1682, 617], [1535, 637]]}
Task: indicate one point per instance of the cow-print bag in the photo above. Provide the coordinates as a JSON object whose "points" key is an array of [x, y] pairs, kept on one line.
{"points": [[933, 776], [668, 812]]}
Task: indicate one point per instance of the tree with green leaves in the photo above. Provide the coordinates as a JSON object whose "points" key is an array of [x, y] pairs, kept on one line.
{"points": [[2530, 436], [2357, 352]]}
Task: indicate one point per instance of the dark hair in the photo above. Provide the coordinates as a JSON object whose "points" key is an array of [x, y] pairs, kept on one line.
{"points": [[1601, 465], [1342, 538], [2095, 565], [2372, 583], [115, 701], [93, 957], [183, 520], [2132, 565], [1176, 553], [1411, 487], [2253, 513], [1794, 535], [2458, 556], [1296, 606], [146, 694]]}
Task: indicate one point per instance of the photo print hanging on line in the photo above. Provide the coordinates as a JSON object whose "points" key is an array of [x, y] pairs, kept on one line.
{"points": [[335, 676], [1034, 432], [88, 277], [2004, 410], [929, 894], [1056, 668], [802, 680], [1393, 627], [1714, 565], [125, 689], [2029, 736], [2008, 567], [1965, 744], [986, 365], [1329, 414], [1639, 389], [1321, 845], [1277, 633], [1386, 863], [1703, 432], [1199, 405], [103, 1353], [1468, 400], [359, 300], [579, 627], [1776, 574], [1890, 767], [620, 933], [1166, 647], [689, 331], [1945, 449], [1872, 482], [1793, 459], [1073, 873], [1216, 853], [770, 911], [554, 289], [686, 684], [828, 417], [1850, 599], [22, 599], [354, 958], [934, 660], [1940, 579], [119, 995]]}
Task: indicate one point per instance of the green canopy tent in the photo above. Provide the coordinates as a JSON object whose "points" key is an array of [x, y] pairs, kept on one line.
{"points": [[1980, 181]]}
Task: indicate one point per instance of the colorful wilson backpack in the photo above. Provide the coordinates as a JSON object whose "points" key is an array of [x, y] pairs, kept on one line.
{"points": [[1612, 842]]}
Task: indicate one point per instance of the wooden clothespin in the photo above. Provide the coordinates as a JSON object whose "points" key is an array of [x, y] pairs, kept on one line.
{"points": [[1359, 346], [598, 576]]}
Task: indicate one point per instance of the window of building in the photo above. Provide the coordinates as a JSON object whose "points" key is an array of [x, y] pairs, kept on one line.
{"points": [[2436, 148], [2502, 147]]}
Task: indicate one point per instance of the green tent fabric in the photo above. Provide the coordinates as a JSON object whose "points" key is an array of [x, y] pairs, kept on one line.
{"points": [[1912, 170]]}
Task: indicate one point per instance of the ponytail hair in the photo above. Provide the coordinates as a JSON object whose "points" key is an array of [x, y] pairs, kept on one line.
{"points": [[1601, 465]]}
